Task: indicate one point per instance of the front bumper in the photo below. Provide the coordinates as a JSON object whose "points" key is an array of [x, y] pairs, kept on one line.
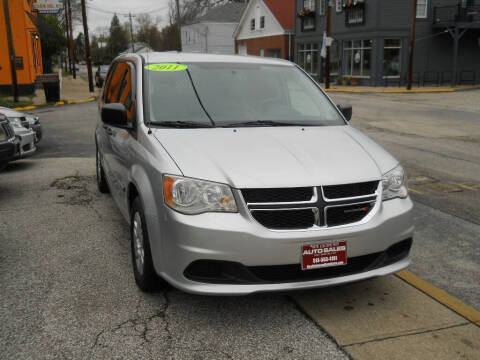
{"points": [[37, 128], [25, 145], [179, 240]]}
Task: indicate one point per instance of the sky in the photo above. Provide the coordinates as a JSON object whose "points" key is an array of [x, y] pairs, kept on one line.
{"points": [[100, 12]]}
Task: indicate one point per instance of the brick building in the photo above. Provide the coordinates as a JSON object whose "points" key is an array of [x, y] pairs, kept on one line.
{"points": [[266, 29]]}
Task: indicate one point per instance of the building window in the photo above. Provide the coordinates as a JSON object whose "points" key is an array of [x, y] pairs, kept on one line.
{"points": [[262, 22], [262, 52], [252, 24], [357, 56], [274, 53], [19, 62], [392, 51], [338, 6], [323, 7], [308, 55], [355, 14], [422, 7], [308, 23], [309, 4]]}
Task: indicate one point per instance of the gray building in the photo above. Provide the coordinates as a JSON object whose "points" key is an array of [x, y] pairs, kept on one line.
{"points": [[372, 39], [213, 32]]}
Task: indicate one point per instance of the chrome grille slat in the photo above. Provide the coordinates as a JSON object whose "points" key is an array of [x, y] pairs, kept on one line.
{"points": [[320, 205]]}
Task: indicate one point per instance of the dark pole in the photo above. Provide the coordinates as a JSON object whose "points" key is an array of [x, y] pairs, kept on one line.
{"points": [[87, 47], [178, 24], [455, 56], [68, 66], [327, 59], [412, 45], [11, 51], [131, 31], [70, 40]]}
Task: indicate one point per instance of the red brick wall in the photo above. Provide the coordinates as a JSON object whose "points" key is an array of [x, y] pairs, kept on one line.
{"points": [[266, 43]]}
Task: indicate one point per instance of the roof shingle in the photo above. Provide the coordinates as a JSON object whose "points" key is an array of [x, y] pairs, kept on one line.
{"points": [[229, 13]]}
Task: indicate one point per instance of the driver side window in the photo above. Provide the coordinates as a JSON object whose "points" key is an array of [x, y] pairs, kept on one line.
{"points": [[126, 94]]}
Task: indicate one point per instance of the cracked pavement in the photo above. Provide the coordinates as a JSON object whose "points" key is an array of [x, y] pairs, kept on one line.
{"points": [[67, 288]]}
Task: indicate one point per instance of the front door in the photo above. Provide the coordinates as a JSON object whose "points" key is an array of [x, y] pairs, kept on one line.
{"points": [[123, 141]]}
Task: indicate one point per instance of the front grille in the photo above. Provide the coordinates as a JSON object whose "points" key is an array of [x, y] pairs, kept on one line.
{"points": [[350, 190], [277, 195], [304, 208], [285, 219], [348, 214]]}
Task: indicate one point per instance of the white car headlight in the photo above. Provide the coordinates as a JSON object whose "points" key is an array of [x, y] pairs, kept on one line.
{"points": [[192, 196], [394, 184], [16, 122]]}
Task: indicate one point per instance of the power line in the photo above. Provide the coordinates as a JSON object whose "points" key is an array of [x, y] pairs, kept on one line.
{"points": [[94, 8]]}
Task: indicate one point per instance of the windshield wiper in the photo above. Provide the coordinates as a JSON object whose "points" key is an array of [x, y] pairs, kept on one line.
{"points": [[261, 123], [182, 124]]}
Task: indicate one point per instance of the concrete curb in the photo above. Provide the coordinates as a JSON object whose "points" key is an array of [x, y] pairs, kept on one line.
{"points": [[60, 103], [401, 91]]}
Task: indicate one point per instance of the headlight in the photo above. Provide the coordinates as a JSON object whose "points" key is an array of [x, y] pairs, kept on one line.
{"points": [[394, 184], [33, 119], [191, 196], [15, 121]]}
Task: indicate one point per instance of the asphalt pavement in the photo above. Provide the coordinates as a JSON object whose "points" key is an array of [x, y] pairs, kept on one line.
{"points": [[437, 139], [67, 289], [65, 271]]}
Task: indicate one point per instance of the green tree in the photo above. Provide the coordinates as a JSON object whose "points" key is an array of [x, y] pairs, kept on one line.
{"points": [[52, 39], [117, 41], [148, 33]]}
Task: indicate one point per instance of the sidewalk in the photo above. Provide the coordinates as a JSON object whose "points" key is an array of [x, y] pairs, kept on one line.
{"points": [[395, 89], [395, 317], [72, 90]]}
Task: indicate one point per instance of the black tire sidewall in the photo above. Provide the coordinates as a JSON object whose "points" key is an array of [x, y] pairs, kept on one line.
{"points": [[147, 281], [101, 181]]}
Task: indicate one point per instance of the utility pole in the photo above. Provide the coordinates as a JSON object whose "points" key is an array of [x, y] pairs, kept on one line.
{"points": [[68, 67], [87, 47], [178, 24], [327, 59], [412, 45], [178, 12], [131, 30], [11, 51], [70, 41]]}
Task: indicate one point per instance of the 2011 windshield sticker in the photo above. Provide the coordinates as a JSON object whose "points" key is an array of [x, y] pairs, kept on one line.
{"points": [[166, 67]]}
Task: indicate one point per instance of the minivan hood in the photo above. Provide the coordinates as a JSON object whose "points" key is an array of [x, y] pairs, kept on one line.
{"points": [[267, 157]]}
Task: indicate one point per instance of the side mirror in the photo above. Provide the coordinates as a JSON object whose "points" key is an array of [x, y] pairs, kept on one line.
{"points": [[115, 114], [346, 110]]}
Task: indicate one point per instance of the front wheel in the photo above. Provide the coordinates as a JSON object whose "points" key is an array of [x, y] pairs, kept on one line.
{"points": [[101, 180], [143, 270]]}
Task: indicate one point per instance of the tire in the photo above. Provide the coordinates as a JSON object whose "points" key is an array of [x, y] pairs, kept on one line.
{"points": [[101, 180], [143, 270]]}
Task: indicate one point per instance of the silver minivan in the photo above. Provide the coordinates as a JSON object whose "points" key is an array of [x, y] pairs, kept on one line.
{"points": [[238, 175]]}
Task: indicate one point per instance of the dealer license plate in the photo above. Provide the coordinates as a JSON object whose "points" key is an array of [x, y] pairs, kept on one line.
{"points": [[324, 255]]}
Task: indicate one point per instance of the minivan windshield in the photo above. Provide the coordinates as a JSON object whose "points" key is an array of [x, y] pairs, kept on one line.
{"points": [[235, 94]]}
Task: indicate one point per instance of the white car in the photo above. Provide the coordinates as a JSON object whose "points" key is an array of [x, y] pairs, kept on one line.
{"points": [[25, 135], [28, 121]]}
